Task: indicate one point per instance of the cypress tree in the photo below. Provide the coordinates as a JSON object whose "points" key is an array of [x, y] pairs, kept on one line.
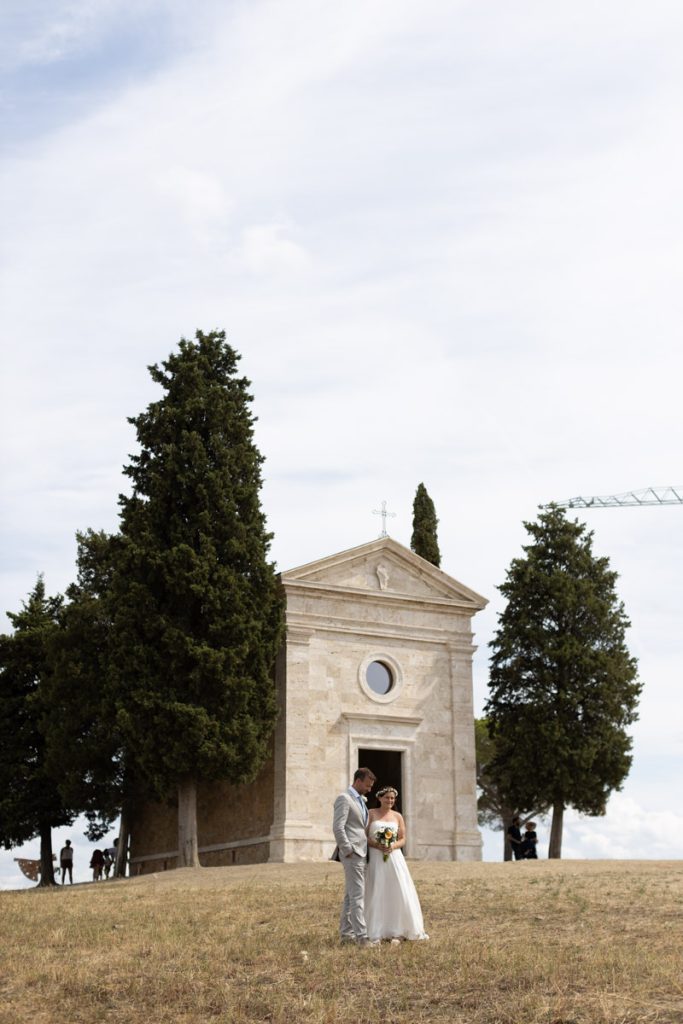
{"points": [[563, 687], [30, 802], [424, 540], [197, 609]]}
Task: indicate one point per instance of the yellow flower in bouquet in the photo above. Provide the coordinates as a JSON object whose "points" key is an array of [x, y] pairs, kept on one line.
{"points": [[385, 836]]}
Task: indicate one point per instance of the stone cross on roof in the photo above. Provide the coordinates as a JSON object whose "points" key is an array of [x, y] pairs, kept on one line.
{"points": [[385, 515]]}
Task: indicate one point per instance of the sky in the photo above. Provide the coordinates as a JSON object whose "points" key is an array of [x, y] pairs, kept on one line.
{"points": [[447, 240]]}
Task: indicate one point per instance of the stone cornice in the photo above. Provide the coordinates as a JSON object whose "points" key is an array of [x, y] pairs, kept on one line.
{"points": [[362, 628], [372, 716], [298, 634], [388, 597]]}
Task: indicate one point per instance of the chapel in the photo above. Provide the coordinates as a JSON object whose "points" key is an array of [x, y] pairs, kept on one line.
{"points": [[375, 671]]}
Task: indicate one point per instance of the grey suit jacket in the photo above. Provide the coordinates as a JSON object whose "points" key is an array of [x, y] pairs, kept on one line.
{"points": [[348, 827]]}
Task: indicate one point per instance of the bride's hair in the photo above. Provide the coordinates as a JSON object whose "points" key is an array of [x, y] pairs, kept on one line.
{"points": [[384, 790]]}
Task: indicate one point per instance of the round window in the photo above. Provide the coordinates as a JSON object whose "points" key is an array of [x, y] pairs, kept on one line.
{"points": [[379, 677]]}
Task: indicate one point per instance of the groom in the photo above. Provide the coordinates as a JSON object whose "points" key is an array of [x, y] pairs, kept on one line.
{"points": [[350, 819]]}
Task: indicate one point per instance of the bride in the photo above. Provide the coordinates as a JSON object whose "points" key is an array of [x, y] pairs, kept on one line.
{"points": [[392, 909]]}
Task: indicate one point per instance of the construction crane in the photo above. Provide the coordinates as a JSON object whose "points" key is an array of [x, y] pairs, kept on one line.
{"points": [[649, 496]]}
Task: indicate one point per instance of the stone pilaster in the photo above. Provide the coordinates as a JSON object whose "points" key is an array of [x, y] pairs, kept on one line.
{"points": [[467, 841], [291, 831]]}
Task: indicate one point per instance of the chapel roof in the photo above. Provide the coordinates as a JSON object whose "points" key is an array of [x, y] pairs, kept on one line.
{"points": [[385, 567]]}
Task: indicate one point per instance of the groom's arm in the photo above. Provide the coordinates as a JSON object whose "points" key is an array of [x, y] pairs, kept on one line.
{"points": [[341, 815]]}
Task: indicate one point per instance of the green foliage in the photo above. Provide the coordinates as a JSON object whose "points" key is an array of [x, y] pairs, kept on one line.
{"points": [[490, 806], [197, 610], [424, 540], [563, 687], [84, 744], [30, 803], [496, 805]]}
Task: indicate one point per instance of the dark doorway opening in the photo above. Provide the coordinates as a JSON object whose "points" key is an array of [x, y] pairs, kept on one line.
{"points": [[386, 765]]}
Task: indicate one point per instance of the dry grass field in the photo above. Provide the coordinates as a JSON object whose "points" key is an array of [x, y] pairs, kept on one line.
{"points": [[557, 942]]}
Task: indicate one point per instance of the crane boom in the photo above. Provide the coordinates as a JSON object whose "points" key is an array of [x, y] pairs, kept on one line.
{"points": [[648, 496]]}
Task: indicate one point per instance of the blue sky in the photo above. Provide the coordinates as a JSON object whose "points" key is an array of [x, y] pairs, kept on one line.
{"points": [[447, 242]]}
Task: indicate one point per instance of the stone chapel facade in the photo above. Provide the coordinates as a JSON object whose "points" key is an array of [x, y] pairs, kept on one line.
{"points": [[376, 671]]}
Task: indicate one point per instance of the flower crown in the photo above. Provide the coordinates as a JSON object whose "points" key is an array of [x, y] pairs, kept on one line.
{"points": [[384, 790]]}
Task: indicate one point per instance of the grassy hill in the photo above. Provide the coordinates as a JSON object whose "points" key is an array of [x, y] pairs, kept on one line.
{"points": [[557, 942]]}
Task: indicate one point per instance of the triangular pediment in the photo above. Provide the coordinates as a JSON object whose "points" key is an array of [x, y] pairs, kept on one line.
{"points": [[384, 567]]}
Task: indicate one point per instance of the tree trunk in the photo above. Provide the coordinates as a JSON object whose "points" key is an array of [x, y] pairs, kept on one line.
{"points": [[188, 850], [47, 869], [122, 845], [507, 817], [555, 845]]}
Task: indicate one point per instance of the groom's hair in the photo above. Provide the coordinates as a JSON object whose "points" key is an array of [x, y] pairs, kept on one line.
{"points": [[363, 773]]}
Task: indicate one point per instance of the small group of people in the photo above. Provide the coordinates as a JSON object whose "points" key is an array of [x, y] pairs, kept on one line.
{"points": [[101, 862], [380, 900], [523, 844]]}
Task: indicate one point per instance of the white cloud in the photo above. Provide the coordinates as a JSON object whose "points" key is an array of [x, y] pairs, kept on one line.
{"points": [[629, 830], [266, 250], [199, 197]]}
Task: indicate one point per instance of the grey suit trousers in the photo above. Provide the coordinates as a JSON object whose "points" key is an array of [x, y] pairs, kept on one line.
{"points": [[352, 921]]}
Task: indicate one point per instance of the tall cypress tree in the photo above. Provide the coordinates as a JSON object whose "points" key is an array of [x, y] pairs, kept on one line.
{"points": [[198, 612], [424, 541], [30, 802], [563, 687]]}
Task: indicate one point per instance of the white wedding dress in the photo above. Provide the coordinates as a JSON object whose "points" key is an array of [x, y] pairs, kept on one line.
{"points": [[392, 909]]}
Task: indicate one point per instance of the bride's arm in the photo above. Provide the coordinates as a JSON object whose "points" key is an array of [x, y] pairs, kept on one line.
{"points": [[401, 840]]}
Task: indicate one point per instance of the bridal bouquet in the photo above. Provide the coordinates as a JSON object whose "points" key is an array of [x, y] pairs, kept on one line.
{"points": [[385, 836]]}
